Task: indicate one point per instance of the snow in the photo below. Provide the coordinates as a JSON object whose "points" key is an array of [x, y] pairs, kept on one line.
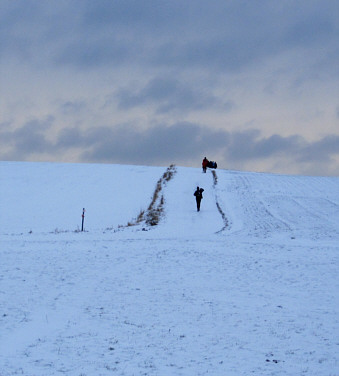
{"points": [[247, 286]]}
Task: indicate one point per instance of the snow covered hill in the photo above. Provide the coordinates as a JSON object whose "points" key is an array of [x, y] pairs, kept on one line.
{"points": [[246, 286]]}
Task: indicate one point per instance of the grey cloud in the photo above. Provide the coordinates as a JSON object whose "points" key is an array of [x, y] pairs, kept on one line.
{"points": [[70, 138], [93, 53], [148, 15], [321, 150], [160, 144], [186, 35], [311, 24], [177, 143], [169, 94], [173, 144], [214, 35], [28, 140], [30, 29], [251, 145], [127, 144], [72, 107]]}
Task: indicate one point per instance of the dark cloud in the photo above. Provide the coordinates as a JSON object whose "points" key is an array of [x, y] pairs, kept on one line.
{"points": [[318, 157], [158, 145], [70, 138], [321, 150], [250, 144], [182, 35], [162, 145], [31, 139], [186, 141], [168, 94]]}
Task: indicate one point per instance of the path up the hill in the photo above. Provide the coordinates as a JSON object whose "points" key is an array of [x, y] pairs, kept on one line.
{"points": [[181, 215]]}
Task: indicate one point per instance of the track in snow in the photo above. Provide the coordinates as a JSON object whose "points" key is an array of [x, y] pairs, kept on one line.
{"points": [[179, 212], [223, 215]]}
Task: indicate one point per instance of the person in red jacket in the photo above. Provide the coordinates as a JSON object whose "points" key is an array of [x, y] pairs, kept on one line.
{"points": [[204, 164]]}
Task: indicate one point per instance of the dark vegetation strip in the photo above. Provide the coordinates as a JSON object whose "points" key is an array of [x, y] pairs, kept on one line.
{"points": [[223, 215], [155, 209]]}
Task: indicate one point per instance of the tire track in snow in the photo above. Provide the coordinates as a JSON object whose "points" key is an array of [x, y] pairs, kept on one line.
{"points": [[223, 215], [260, 220]]}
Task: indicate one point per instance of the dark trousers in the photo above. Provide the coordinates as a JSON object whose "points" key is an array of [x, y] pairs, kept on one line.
{"points": [[198, 203]]}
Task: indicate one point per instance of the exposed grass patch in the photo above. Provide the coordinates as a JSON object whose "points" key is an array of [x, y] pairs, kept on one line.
{"points": [[155, 209], [223, 215], [215, 178]]}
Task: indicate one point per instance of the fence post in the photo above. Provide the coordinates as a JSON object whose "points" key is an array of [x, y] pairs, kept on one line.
{"points": [[83, 218]]}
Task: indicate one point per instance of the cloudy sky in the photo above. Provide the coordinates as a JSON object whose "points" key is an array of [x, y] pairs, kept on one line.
{"points": [[252, 84]]}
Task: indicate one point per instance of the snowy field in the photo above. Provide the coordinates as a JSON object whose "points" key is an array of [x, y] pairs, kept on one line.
{"points": [[247, 286]]}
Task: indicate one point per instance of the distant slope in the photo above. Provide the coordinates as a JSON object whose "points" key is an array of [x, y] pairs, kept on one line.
{"points": [[44, 197]]}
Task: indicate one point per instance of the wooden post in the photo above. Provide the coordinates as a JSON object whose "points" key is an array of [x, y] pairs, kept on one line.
{"points": [[83, 218]]}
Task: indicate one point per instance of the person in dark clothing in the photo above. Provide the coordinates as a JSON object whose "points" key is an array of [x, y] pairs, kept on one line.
{"points": [[198, 197]]}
